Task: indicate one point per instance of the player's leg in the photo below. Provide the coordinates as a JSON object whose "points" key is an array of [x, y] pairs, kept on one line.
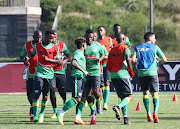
{"points": [[154, 89], [106, 88], [95, 84], [53, 96], [45, 90], [29, 88], [88, 89], [60, 84], [37, 89], [81, 94], [144, 83]]}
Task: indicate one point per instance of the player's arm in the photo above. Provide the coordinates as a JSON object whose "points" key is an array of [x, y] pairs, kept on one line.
{"points": [[105, 53], [57, 59], [101, 52], [75, 65], [67, 58], [23, 55], [134, 63], [163, 60], [66, 53], [161, 55]]}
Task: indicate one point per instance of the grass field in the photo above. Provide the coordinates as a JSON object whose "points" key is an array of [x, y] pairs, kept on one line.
{"points": [[14, 109]]}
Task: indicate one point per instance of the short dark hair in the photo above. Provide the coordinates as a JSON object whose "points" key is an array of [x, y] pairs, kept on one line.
{"points": [[49, 32], [102, 26], [147, 35], [80, 41], [53, 31], [37, 32], [89, 31], [116, 25]]}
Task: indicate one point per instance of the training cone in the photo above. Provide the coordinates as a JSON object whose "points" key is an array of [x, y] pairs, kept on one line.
{"points": [[93, 121], [138, 108], [175, 98]]}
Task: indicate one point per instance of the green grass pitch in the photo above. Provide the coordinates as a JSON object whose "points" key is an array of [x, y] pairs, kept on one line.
{"points": [[14, 114]]}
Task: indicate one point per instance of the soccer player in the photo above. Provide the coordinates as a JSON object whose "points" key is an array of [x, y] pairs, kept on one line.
{"points": [[146, 69], [26, 51], [76, 81], [59, 79], [46, 53], [95, 36], [118, 61], [107, 42], [117, 29], [94, 55]]}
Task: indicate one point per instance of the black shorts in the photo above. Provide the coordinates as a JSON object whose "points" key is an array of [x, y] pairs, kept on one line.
{"points": [[102, 80], [59, 81], [122, 86], [106, 75], [150, 83], [77, 85], [41, 85], [29, 86], [92, 82]]}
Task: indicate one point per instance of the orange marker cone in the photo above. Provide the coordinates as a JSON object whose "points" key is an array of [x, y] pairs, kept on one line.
{"points": [[138, 108], [93, 121], [175, 98]]}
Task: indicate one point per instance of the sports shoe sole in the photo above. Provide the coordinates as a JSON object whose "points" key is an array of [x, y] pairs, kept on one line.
{"points": [[116, 110]]}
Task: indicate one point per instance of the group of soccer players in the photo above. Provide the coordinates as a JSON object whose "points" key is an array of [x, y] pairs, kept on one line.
{"points": [[98, 61]]}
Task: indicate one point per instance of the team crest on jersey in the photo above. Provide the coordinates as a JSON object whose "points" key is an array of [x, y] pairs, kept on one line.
{"points": [[95, 49]]}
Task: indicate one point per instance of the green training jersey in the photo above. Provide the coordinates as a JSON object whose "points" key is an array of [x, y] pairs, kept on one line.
{"points": [[80, 58], [123, 73], [93, 51], [153, 68], [65, 51], [45, 70]]}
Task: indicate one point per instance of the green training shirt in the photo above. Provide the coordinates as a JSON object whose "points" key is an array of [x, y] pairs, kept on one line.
{"points": [[153, 68], [80, 58], [95, 50]]}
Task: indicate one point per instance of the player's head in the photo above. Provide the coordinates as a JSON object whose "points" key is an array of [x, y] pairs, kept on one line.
{"points": [[95, 36], [89, 36], [120, 38], [80, 43], [49, 36], [37, 37], [101, 31], [150, 37], [55, 35], [117, 29]]}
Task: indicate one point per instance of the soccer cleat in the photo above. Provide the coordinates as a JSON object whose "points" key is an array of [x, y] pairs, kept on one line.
{"points": [[41, 118], [31, 119], [98, 108], [93, 113], [155, 117], [54, 116], [105, 106], [35, 119], [126, 121], [116, 110], [149, 117], [79, 122], [60, 119]]}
